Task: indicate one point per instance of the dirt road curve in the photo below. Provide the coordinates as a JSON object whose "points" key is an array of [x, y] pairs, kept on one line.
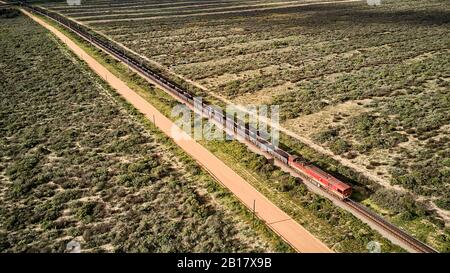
{"points": [[275, 218]]}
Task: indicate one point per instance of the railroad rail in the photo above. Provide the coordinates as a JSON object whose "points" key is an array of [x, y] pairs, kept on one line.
{"points": [[418, 245], [120, 53]]}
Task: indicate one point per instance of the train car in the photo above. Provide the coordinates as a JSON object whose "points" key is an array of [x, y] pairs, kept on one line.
{"points": [[321, 178], [189, 98], [183, 96], [230, 125], [281, 155], [218, 116], [207, 111], [240, 130], [198, 104], [251, 136], [264, 145]]}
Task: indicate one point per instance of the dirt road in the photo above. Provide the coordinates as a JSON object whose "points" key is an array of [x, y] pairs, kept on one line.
{"points": [[275, 218]]}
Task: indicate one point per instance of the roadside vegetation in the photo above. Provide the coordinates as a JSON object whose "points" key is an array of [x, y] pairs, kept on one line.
{"points": [[78, 163], [390, 62]]}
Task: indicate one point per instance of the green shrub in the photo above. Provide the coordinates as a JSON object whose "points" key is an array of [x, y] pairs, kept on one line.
{"points": [[9, 13]]}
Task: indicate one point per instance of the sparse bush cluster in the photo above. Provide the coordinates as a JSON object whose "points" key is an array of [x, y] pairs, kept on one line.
{"points": [[398, 202], [417, 115], [75, 165], [9, 13]]}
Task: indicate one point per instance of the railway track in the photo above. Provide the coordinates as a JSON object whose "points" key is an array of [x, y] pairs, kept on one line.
{"points": [[119, 53], [398, 233]]}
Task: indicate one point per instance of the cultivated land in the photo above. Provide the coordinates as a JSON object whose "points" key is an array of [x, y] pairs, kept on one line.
{"points": [[368, 84], [77, 162]]}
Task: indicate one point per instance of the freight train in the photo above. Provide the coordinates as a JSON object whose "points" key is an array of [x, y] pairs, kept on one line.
{"points": [[312, 173], [308, 171]]}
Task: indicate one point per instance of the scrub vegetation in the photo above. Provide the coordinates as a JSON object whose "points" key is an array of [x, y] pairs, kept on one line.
{"points": [[369, 84], [78, 163]]}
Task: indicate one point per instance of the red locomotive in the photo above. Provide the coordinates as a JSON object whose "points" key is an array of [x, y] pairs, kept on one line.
{"points": [[323, 179]]}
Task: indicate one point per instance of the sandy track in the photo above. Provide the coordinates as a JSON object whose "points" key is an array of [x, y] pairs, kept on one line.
{"points": [[275, 218]]}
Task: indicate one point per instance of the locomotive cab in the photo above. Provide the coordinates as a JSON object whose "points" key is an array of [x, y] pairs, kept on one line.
{"points": [[345, 193]]}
